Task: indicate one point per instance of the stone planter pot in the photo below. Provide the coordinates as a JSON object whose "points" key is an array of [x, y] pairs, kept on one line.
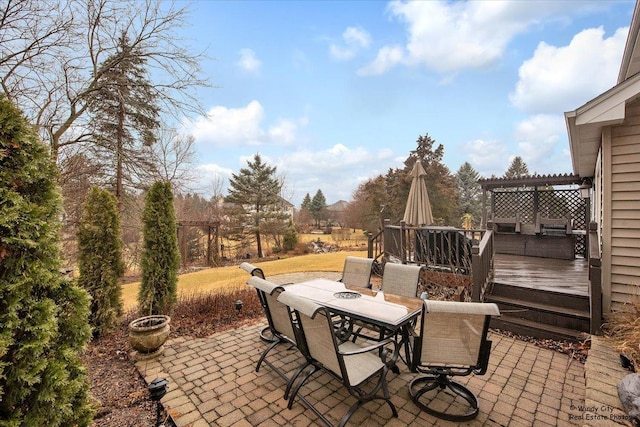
{"points": [[148, 334]]}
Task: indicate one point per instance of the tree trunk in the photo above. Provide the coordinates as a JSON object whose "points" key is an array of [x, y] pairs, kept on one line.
{"points": [[259, 243], [121, 117]]}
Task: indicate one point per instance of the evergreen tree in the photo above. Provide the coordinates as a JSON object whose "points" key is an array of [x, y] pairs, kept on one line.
{"points": [[517, 169], [385, 197], [43, 317], [306, 202], [100, 258], [160, 258], [256, 192], [469, 194], [125, 113], [441, 184], [318, 207], [303, 215], [290, 239]]}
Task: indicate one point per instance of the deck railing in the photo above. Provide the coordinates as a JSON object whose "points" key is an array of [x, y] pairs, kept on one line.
{"points": [[482, 270], [448, 249], [595, 279]]}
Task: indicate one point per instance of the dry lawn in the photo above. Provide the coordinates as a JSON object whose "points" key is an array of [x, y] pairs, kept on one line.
{"points": [[229, 279]]}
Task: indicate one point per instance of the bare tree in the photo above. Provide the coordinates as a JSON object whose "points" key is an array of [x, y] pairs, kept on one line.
{"points": [[53, 59], [32, 34], [172, 157]]}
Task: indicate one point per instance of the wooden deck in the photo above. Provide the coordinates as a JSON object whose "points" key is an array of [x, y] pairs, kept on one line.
{"points": [[566, 276]]}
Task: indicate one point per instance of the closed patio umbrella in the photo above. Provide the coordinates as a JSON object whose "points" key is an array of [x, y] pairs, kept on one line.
{"points": [[418, 210]]}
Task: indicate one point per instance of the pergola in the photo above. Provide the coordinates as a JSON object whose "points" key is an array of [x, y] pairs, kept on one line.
{"points": [[536, 205]]}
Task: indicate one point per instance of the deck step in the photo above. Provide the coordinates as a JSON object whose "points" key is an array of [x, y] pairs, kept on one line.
{"points": [[553, 309], [540, 313], [543, 313], [542, 296], [535, 329]]}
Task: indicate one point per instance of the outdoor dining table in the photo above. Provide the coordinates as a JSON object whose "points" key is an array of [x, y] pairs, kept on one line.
{"points": [[392, 313]]}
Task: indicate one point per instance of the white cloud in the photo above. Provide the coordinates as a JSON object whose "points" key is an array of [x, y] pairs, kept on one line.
{"points": [[355, 39], [212, 179], [558, 79], [487, 156], [249, 62], [337, 157], [450, 36], [386, 59], [541, 140], [337, 170], [284, 131], [224, 127]]}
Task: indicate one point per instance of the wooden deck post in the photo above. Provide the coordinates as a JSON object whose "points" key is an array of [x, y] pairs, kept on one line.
{"points": [[403, 243], [595, 279], [483, 215], [482, 266]]}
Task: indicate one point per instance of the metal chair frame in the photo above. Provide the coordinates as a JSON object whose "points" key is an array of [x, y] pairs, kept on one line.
{"points": [[308, 316], [436, 374], [258, 272]]}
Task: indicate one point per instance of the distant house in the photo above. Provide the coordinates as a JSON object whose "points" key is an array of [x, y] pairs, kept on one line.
{"points": [[604, 138], [335, 212], [287, 207]]}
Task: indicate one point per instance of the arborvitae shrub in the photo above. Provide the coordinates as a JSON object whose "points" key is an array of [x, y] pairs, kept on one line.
{"points": [[290, 239], [100, 258], [43, 317], [160, 258]]}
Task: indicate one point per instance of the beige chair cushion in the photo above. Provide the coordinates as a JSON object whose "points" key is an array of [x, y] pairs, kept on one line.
{"points": [[401, 279], [452, 332], [360, 366], [357, 271]]}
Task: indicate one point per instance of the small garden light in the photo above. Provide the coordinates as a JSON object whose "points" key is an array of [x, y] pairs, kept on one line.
{"points": [[157, 389], [239, 307]]}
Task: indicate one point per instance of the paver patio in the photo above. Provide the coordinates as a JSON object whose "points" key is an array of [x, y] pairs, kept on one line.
{"points": [[212, 382]]}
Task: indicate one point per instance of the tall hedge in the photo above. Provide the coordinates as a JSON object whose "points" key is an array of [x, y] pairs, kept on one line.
{"points": [[100, 258], [43, 317], [160, 258]]}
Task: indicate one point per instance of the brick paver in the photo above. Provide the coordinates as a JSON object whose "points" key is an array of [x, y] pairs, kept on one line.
{"points": [[212, 381]]}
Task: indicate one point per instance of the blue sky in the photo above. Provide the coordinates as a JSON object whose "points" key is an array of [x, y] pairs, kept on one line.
{"points": [[333, 93]]}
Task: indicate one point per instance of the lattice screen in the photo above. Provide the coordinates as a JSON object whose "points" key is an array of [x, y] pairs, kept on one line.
{"points": [[551, 203]]}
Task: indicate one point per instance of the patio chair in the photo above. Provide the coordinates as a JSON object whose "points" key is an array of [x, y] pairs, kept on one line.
{"points": [[257, 272], [452, 342], [401, 279], [397, 279], [357, 272], [349, 363], [252, 270], [278, 318]]}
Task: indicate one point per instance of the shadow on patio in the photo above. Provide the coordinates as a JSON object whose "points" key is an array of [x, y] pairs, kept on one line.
{"points": [[212, 382]]}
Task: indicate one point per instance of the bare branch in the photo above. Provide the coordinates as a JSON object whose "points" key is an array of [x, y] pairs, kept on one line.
{"points": [[52, 55]]}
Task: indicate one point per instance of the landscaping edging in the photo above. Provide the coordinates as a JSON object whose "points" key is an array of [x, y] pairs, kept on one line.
{"points": [[602, 372]]}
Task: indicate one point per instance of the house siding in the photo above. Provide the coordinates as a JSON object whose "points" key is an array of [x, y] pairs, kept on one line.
{"points": [[624, 200]]}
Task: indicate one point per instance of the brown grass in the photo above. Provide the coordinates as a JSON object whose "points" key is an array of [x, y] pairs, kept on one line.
{"points": [[623, 329], [230, 279]]}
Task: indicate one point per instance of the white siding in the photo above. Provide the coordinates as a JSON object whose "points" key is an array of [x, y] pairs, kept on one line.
{"points": [[624, 222]]}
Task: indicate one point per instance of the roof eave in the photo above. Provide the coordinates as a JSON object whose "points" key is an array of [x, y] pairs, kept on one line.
{"points": [[584, 125], [631, 57]]}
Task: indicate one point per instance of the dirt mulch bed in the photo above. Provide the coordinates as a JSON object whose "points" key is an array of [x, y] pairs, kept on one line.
{"points": [[119, 391]]}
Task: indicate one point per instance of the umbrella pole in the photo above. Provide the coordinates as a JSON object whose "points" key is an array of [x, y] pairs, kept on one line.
{"points": [[403, 248]]}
